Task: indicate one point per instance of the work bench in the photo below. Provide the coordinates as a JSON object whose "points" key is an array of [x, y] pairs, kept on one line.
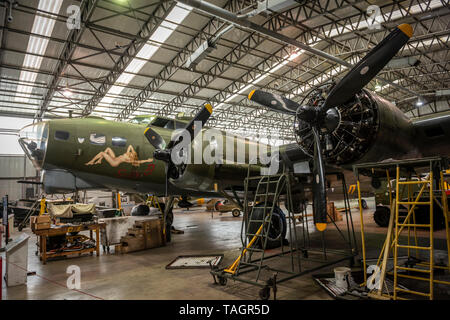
{"points": [[62, 230]]}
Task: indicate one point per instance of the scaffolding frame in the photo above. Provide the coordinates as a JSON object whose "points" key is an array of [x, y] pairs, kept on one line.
{"points": [[436, 190]]}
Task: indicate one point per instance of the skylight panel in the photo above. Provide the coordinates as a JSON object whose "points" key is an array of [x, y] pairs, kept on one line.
{"points": [[147, 51], [161, 34], [43, 25]]}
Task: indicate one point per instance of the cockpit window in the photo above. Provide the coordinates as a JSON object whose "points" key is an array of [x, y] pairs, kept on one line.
{"points": [[119, 142], [163, 123], [142, 119], [97, 139], [33, 140], [180, 125], [157, 122], [61, 135]]}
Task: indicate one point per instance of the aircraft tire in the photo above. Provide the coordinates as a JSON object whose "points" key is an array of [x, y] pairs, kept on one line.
{"points": [[381, 216], [364, 204], [277, 232], [423, 216]]}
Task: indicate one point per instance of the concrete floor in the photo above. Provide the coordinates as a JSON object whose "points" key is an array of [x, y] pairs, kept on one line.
{"points": [[142, 275]]}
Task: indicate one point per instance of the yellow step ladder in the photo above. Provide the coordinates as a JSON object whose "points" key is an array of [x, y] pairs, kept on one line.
{"points": [[409, 222]]}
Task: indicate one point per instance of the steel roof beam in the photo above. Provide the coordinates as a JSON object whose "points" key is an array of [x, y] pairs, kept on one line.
{"points": [[86, 9], [228, 16], [133, 48]]}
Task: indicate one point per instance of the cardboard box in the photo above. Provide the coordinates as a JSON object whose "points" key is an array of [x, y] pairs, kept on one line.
{"points": [[40, 222], [42, 226], [42, 219]]}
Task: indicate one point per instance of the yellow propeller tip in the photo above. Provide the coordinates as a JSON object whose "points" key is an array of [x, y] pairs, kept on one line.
{"points": [[251, 94], [208, 107], [406, 29], [146, 130], [321, 226]]}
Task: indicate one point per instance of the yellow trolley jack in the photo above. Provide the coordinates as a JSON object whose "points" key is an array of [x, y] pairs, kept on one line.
{"points": [[232, 269]]}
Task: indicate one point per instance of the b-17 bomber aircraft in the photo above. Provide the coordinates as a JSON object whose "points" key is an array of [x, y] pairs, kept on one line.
{"points": [[340, 124]]}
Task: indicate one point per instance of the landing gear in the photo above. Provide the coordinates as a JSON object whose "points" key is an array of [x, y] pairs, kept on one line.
{"points": [[168, 216], [236, 213]]}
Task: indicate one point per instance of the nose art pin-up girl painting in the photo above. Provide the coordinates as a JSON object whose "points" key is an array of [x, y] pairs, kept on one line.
{"points": [[130, 156]]}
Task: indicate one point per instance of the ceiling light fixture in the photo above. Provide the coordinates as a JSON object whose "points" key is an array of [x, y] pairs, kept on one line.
{"points": [[419, 103]]}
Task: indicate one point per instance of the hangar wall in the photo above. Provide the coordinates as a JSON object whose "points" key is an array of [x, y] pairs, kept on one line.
{"points": [[13, 168]]}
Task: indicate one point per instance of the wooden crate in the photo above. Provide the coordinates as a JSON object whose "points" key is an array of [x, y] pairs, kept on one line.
{"points": [[153, 235], [131, 243], [40, 222], [333, 213], [145, 234]]}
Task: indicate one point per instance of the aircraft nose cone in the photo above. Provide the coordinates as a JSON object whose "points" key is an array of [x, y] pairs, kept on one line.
{"points": [[33, 140]]}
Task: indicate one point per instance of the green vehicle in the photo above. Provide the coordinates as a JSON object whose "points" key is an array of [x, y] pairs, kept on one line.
{"points": [[422, 212]]}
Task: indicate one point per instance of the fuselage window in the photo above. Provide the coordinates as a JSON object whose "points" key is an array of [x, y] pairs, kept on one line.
{"points": [[119, 141], [97, 139], [61, 135]]}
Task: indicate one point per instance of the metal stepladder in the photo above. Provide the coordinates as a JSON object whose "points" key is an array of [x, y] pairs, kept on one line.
{"points": [[259, 217], [257, 223], [154, 202], [289, 258], [41, 203], [426, 269]]}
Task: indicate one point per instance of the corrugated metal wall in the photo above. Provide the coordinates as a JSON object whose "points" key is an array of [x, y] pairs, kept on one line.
{"points": [[12, 169]]}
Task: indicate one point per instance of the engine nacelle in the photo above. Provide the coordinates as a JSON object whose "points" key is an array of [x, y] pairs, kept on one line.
{"points": [[369, 129], [196, 177]]}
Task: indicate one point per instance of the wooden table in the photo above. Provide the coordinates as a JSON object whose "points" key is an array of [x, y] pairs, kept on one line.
{"points": [[62, 230]]}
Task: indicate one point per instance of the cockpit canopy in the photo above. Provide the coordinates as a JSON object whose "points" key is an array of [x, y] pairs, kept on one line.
{"points": [[33, 140], [146, 119], [158, 122]]}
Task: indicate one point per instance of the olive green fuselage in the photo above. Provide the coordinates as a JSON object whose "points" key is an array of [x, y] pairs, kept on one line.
{"points": [[89, 137]]}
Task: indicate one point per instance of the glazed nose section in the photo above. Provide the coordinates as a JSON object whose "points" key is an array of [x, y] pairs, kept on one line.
{"points": [[33, 140]]}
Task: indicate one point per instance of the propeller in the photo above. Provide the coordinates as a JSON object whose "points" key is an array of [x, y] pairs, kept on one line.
{"points": [[274, 101], [325, 118], [163, 151]]}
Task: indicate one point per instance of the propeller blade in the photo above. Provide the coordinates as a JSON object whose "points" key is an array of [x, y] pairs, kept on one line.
{"points": [[368, 67], [274, 101], [318, 187], [202, 116], [155, 139]]}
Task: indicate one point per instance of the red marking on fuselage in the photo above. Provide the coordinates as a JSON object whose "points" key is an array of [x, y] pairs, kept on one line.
{"points": [[131, 173]]}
